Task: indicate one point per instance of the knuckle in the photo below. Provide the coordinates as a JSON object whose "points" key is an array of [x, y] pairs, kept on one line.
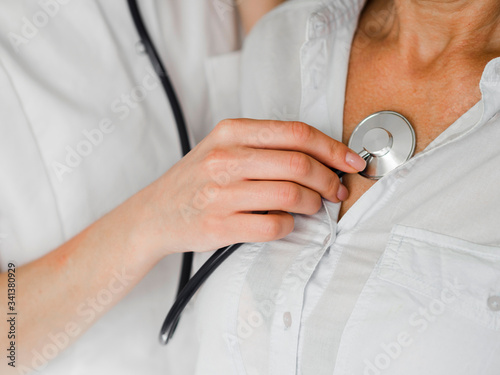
{"points": [[211, 225], [212, 190], [271, 227], [289, 195], [334, 151], [224, 128], [300, 164], [333, 186], [318, 203], [215, 156], [205, 224], [301, 131]]}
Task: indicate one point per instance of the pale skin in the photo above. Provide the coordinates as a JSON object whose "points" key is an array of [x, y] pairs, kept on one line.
{"points": [[279, 174], [243, 166], [286, 171]]}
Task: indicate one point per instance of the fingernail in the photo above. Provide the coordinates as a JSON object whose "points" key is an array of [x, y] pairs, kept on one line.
{"points": [[342, 193], [355, 161]]}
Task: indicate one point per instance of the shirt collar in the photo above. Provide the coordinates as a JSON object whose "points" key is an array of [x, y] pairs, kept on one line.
{"points": [[490, 89], [332, 15]]}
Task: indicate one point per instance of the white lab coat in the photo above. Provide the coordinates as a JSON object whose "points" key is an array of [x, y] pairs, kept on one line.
{"points": [[84, 125]]}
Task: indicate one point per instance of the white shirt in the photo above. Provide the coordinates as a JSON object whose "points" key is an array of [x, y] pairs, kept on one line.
{"points": [[407, 282], [84, 125]]}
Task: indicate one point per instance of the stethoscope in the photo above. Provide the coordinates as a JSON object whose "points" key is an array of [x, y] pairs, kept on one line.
{"points": [[384, 139]]}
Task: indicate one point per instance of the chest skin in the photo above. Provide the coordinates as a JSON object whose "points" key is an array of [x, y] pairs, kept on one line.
{"points": [[432, 96]]}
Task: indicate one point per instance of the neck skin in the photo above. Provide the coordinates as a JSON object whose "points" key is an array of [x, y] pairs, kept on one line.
{"points": [[425, 30]]}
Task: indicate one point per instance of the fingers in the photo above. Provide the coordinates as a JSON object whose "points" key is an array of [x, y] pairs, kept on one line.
{"points": [[292, 136], [259, 228], [236, 164], [272, 196], [292, 166]]}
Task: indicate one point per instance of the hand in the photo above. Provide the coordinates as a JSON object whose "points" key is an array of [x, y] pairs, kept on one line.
{"points": [[209, 198]]}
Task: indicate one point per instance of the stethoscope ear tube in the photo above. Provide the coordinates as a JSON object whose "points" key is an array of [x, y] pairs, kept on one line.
{"points": [[161, 71]]}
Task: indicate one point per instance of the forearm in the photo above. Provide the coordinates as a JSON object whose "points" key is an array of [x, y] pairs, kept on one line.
{"points": [[253, 10], [59, 296], [204, 202]]}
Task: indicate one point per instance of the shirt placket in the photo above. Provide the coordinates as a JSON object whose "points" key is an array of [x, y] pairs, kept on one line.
{"points": [[313, 69], [285, 326], [286, 322]]}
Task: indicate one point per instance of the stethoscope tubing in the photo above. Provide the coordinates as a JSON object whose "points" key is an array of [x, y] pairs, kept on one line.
{"points": [[190, 289], [188, 286], [161, 72], [183, 298]]}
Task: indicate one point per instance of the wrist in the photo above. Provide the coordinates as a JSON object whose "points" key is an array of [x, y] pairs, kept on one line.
{"points": [[144, 237]]}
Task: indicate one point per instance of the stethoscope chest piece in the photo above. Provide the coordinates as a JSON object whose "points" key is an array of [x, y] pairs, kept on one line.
{"points": [[386, 140]]}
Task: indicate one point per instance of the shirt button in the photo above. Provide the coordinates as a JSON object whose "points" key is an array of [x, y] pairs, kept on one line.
{"points": [[494, 303], [287, 319]]}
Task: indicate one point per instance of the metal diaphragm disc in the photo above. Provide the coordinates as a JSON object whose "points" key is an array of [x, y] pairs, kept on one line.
{"points": [[389, 139]]}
